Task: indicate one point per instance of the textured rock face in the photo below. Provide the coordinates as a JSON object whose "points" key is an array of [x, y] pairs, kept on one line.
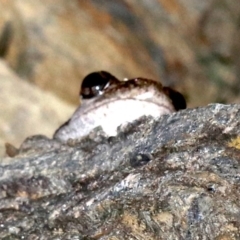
{"points": [[172, 178], [189, 44]]}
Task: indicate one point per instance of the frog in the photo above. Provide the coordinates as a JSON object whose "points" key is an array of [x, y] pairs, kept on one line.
{"points": [[109, 102]]}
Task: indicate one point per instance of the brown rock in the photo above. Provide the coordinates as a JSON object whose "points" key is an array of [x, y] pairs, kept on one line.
{"points": [[13, 38], [26, 110], [188, 44], [67, 41]]}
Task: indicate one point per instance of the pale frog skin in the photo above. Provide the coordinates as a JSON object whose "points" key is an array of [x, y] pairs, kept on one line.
{"points": [[120, 103]]}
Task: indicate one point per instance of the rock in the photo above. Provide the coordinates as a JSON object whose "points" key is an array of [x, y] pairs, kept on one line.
{"points": [[188, 44], [176, 177], [66, 41], [24, 108]]}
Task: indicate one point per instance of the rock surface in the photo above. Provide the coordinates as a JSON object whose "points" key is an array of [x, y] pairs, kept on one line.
{"points": [[177, 177], [191, 45]]}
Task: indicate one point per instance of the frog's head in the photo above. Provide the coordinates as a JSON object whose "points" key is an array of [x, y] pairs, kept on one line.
{"points": [[99, 83], [109, 103]]}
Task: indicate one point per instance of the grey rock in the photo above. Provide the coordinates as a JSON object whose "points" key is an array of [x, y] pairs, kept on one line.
{"points": [[176, 177]]}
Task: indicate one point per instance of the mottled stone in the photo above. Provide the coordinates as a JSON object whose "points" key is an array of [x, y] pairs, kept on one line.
{"points": [[190, 45], [176, 177]]}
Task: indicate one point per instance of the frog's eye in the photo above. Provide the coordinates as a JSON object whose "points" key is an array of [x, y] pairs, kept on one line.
{"points": [[177, 98], [95, 83]]}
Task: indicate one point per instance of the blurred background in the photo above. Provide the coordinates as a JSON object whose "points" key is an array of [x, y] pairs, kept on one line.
{"points": [[48, 46]]}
